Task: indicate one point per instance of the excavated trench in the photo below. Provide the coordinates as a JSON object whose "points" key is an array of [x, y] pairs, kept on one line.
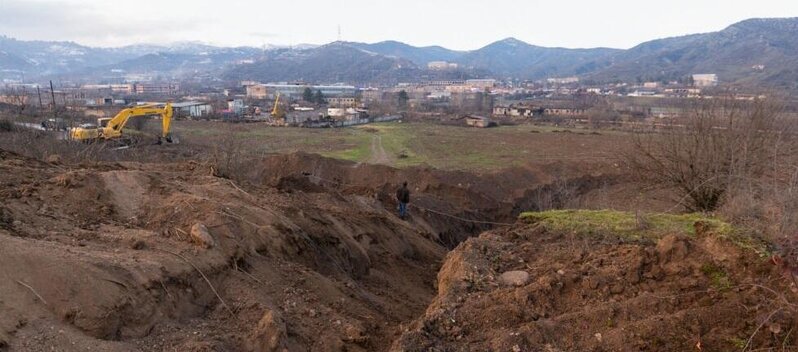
{"points": [[452, 205], [303, 253]]}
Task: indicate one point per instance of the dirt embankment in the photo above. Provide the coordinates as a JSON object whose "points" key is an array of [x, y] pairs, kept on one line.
{"points": [[440, 199], [528, 289], [307, 255], [155, 257]]}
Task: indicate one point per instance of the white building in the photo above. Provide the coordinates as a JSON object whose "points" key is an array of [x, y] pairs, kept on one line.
{"points": [[257, 91], [336, 112], [342, 102], [481, 83], [441, 65], [193, 109], [705, 80], [439, 95], [563, 80], [236, 106], [261, 91], [346, 113]]}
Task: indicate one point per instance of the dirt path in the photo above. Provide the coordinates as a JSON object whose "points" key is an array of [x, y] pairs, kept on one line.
{"points": [[378, 154]]}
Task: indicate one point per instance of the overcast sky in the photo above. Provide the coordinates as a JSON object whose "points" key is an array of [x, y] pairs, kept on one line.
{"points": [[456, 24]]}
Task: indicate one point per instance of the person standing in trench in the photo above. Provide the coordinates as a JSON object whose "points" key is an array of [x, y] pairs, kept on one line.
{"points": [[403, 196]]}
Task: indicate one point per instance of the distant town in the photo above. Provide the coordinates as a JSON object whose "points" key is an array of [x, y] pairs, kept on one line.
{"points": [[348, 83], [559, 100]]}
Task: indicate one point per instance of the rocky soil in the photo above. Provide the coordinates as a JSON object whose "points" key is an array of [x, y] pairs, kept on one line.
{"points": [[529, 289], [303, 253]]}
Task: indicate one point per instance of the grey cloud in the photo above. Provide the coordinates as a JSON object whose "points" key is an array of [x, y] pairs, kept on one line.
{"points": [[59, 20]]}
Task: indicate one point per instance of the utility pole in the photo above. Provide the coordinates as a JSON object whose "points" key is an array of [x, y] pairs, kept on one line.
{"points": [[39, 93], [52, 96]]}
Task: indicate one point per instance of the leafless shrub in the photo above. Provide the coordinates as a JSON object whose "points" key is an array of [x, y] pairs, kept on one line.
{"points": [[17, 98], [736, 158], [562, 193], [600, 112], [229, 158], [641, 222], [721, 147], [42, 145], [6, 126]]}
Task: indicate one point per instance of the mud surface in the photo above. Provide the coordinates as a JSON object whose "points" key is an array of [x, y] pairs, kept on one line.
{"points": [[525, 289], [306, 253], [106, 257]]}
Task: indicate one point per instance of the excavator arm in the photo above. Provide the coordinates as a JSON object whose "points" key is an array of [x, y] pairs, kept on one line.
{"points": [[114, 127], [166, 121], [277, 111]]}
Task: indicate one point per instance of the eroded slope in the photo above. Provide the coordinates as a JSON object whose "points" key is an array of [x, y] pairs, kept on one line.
{"points": [[538, 287]]}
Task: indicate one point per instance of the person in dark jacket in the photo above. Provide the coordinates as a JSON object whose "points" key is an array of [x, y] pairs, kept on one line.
{"points": [[403, 196]]}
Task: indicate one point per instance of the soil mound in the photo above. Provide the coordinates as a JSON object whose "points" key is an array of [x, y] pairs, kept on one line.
{"points": [[129, 256], [598, 291], [439, 197], [306, 253]]}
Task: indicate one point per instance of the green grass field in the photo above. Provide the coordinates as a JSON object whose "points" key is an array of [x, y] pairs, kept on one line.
{"points": [[411, 144]]}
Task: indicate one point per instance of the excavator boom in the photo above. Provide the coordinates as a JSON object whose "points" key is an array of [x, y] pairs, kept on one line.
{"points": [[277, 112], [166, 123]]}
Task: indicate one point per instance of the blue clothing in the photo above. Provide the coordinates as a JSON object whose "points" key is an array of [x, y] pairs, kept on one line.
{"points": [[402, 209]]}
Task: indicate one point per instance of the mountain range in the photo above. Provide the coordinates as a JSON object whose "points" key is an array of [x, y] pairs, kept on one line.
{"points": [[760, 52]]}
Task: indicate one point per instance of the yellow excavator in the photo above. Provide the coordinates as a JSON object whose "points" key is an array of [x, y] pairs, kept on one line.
{"points": [[111, 128]]}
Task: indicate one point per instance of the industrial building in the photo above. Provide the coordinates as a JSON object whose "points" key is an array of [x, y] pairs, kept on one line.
{"points": [[192, 109], [257, 91], [295, 91], [236, 106], [167, 88], [481, 83], [478, 121], [705, 80], [441, 65], [342, 102], [137, 88], [517, 111]]}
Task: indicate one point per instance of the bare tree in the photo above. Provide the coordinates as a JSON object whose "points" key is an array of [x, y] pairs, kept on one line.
{"points": [[231, 157], [600, 112], [720, 144], [16, 97]]}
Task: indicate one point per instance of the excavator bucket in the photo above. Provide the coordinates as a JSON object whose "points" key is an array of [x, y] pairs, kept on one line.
{"points": [[166, 120], [170, 139]]}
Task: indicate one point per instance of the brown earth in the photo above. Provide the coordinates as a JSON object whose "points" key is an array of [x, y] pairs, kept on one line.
{"points": [[602, 293], [489, 197], [304, 254], [103, 258]]}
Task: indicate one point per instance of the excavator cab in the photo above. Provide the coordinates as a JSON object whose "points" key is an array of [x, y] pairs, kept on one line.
{"points": [[103, 121]]}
